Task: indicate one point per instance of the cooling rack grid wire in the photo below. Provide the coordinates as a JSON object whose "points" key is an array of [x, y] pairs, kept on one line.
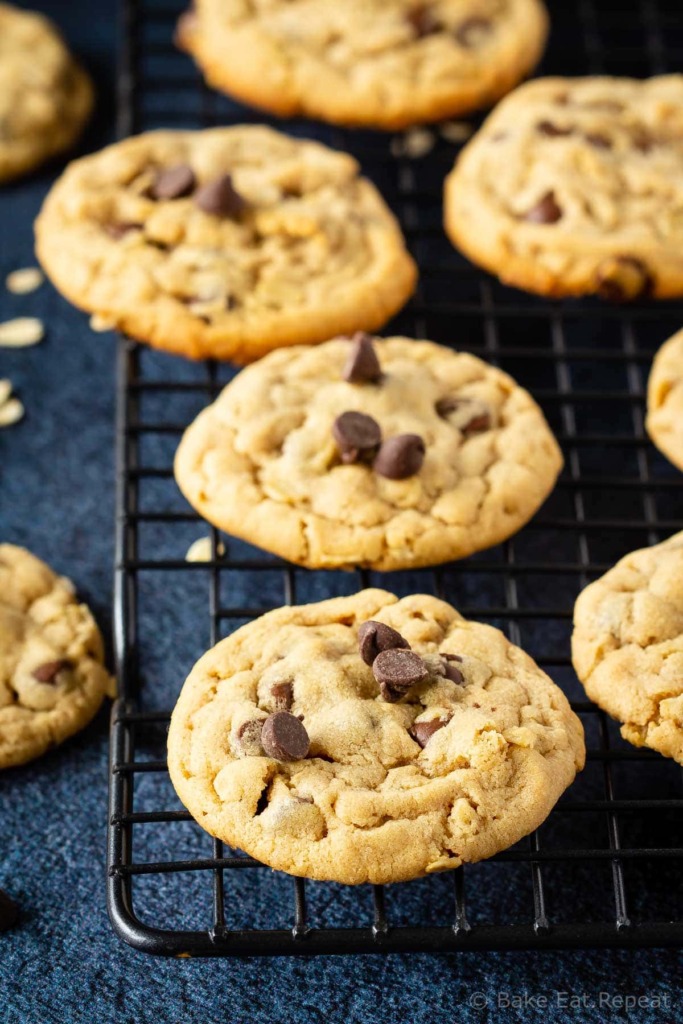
{"points": [[604, 869]]}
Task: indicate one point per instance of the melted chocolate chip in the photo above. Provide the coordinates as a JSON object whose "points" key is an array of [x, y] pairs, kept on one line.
{"points": [[283, 695], [470, 418], [9, 911], [546, 211], [396, 671], [422, 732], [48, 672], [119, 230], [472, 32], [623, 279], [357, 435], [220, 198], [284, 737], [362, 365], [451, 669], [553, 131], [400, 456], [599, 140], [423, 20], [173, 183], [375, 637], [249, 737]]}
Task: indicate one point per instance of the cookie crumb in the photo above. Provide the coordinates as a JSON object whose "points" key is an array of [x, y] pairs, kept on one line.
{"points": [[11, 412], [5, 390], [200, 550], [101, 323], [415, 143], [455, 131], [22, 332], [25, 280]]}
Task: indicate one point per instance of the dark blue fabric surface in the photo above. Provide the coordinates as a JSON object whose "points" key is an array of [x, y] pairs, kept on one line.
{"points": [[63, 963]]}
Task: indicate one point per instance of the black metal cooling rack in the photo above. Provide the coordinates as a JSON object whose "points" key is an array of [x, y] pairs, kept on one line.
{"points": [[604, 870]]}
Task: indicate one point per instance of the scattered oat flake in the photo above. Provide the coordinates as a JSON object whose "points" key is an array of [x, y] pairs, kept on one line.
{"points": [[23, 281], [201, 551], [11, 412], [5, 389], [101, 323], [22, 332], [415, 143], [455, 131]]}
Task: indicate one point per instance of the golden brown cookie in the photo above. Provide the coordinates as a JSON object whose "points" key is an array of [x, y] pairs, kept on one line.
{"points": [[574, 186], [52, 677], [379, 63], [627, 645], [225, 243], [665, 400], [383, 453], [317, 741]]}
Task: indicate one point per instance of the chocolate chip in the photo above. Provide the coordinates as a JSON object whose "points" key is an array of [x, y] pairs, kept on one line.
{"points": [[400, 456], [546, 211], [173, 183], [119, 230], [362, 365], [9, 912], [375, 637], [553, 131], [422, 732], [642, 140], [623, 279], [284, 737], [396, 671], [357, 435], [467, 415], [598, 140], [473, 32], [48, 672], [450, 668], [220, 198], [249, 737], [423, 20], [283, 695]]}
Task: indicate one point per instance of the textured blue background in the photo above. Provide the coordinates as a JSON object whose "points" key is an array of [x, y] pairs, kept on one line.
{"points": [[64, 963]]}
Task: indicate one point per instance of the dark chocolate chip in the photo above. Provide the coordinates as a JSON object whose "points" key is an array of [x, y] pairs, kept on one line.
{"points": [[220, 198], [375, 637], [599, 140], [422, 732], [48, 672], [283, 695], [423, 20], [475, 424], [119, 230], [553, 131], [623, 279], [249, 737], [396, 671], [546, 211], [362, 365], [451, 669], [9, 912], [284, 737], [357, 435], [400, 456], [173, 183], [473, 31]]}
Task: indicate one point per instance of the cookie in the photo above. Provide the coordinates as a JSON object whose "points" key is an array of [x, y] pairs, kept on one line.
{"points": [[627, 645], [52, 677], [382, 453], [224, 243], [574, 186], [664, 421], [45, 96], [378, 63], [367, 739]]}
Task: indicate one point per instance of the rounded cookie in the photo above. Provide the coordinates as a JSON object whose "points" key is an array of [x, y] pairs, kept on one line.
{"points": [[384, 453], [52, 679], [225, 243], [379, 63], [367, 762], [665, 400], [45, 96], [574, 187], [627, 645]]}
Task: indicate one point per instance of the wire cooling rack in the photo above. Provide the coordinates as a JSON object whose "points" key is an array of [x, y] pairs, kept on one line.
{"points": [[604, 870]]}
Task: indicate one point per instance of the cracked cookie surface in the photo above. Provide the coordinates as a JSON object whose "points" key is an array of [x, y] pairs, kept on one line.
{"points": [[52, 680], [226, 243], [575, 186], [627, 645], [45, 96], [665, 400], [382, 794], [275, 473], [381, 63]]}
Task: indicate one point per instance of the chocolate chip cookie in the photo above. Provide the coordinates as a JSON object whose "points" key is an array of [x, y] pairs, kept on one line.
{"points": [[367, 739], [665, 400], [379, 63], [52, 677], [45, 96], [384, 453], [224, 243], [627, 645], [575, 187]]}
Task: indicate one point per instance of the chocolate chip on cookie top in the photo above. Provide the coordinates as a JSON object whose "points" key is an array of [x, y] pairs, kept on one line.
{"points": [[284, 738], [375, 637], [398, 670], [220, 197], [357, 435], [174, 182], [400, 457], [49, 670], [362, 366]]}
